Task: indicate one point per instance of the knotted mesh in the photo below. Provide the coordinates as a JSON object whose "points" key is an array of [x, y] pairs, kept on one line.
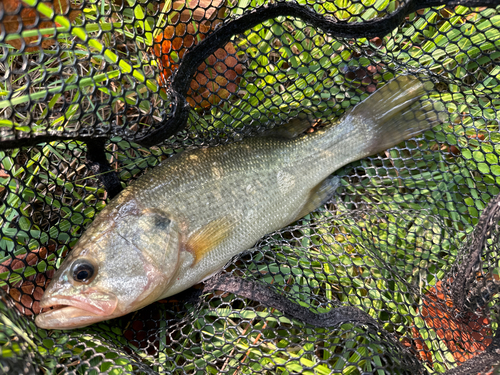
{"points": [[397, 273]]}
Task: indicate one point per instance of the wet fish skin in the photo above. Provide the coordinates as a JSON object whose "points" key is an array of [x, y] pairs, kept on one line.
{"points": [[184, 219]]}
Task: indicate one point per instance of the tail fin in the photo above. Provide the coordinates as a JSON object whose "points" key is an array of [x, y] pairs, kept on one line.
{"points": [[395, 113]]}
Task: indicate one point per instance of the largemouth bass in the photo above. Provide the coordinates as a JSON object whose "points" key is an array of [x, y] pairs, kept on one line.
{"points": [[182, 221]]}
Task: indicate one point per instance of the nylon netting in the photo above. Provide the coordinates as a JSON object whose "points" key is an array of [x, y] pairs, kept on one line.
{"points": [[397, 273]]}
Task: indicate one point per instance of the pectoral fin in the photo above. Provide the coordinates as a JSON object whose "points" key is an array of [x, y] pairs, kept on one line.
{"points": [[319, 195], [205, 239]]}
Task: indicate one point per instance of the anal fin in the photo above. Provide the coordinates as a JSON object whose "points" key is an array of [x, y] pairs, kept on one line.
{"points": [[319, 195]]}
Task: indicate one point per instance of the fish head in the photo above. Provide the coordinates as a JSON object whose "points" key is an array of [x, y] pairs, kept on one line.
{"points": [[123, 262]]}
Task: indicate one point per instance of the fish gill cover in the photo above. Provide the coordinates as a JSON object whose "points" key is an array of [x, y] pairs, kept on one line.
{"points": [[399, 272]]}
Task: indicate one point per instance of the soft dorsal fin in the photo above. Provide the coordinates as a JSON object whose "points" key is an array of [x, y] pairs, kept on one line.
{"points": [[291, 129], [206, 238]]}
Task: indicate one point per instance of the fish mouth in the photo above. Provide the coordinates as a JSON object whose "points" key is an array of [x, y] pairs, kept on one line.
{"points": [[70, 312]]}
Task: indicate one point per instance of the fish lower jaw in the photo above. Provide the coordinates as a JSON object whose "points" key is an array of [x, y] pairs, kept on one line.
{"points": [[101, 306], [70, 313], [69, 317]]}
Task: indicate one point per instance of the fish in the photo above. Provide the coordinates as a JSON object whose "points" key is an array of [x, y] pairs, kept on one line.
{"points": [[183, 220]]}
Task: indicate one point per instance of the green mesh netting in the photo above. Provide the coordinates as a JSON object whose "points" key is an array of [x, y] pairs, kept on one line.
{"points": [[95, 93]]}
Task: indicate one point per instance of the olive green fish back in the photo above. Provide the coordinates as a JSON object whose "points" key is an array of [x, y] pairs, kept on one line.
{"points": [[399, 272]]}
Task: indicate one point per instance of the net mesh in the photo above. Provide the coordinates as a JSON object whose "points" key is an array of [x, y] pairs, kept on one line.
{"points": [[397, 273]]}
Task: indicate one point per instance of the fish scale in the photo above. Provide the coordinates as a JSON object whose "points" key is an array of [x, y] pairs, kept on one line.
{"points": [[186, 218], [278, 198]]}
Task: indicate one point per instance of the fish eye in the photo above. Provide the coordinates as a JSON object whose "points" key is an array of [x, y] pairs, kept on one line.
{"points": [[83, 271]]}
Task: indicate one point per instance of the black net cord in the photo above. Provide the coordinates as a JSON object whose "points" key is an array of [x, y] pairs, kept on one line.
{"points": [[487, 362], [260, 293], [333, 319], [181, 79], [460, 290], [464, 275], [96, 160]]}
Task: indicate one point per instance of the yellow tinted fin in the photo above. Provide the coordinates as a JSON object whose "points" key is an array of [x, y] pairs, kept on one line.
{"points": [[208, 237], [319, 195], [396, 112], [291, 129]]}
